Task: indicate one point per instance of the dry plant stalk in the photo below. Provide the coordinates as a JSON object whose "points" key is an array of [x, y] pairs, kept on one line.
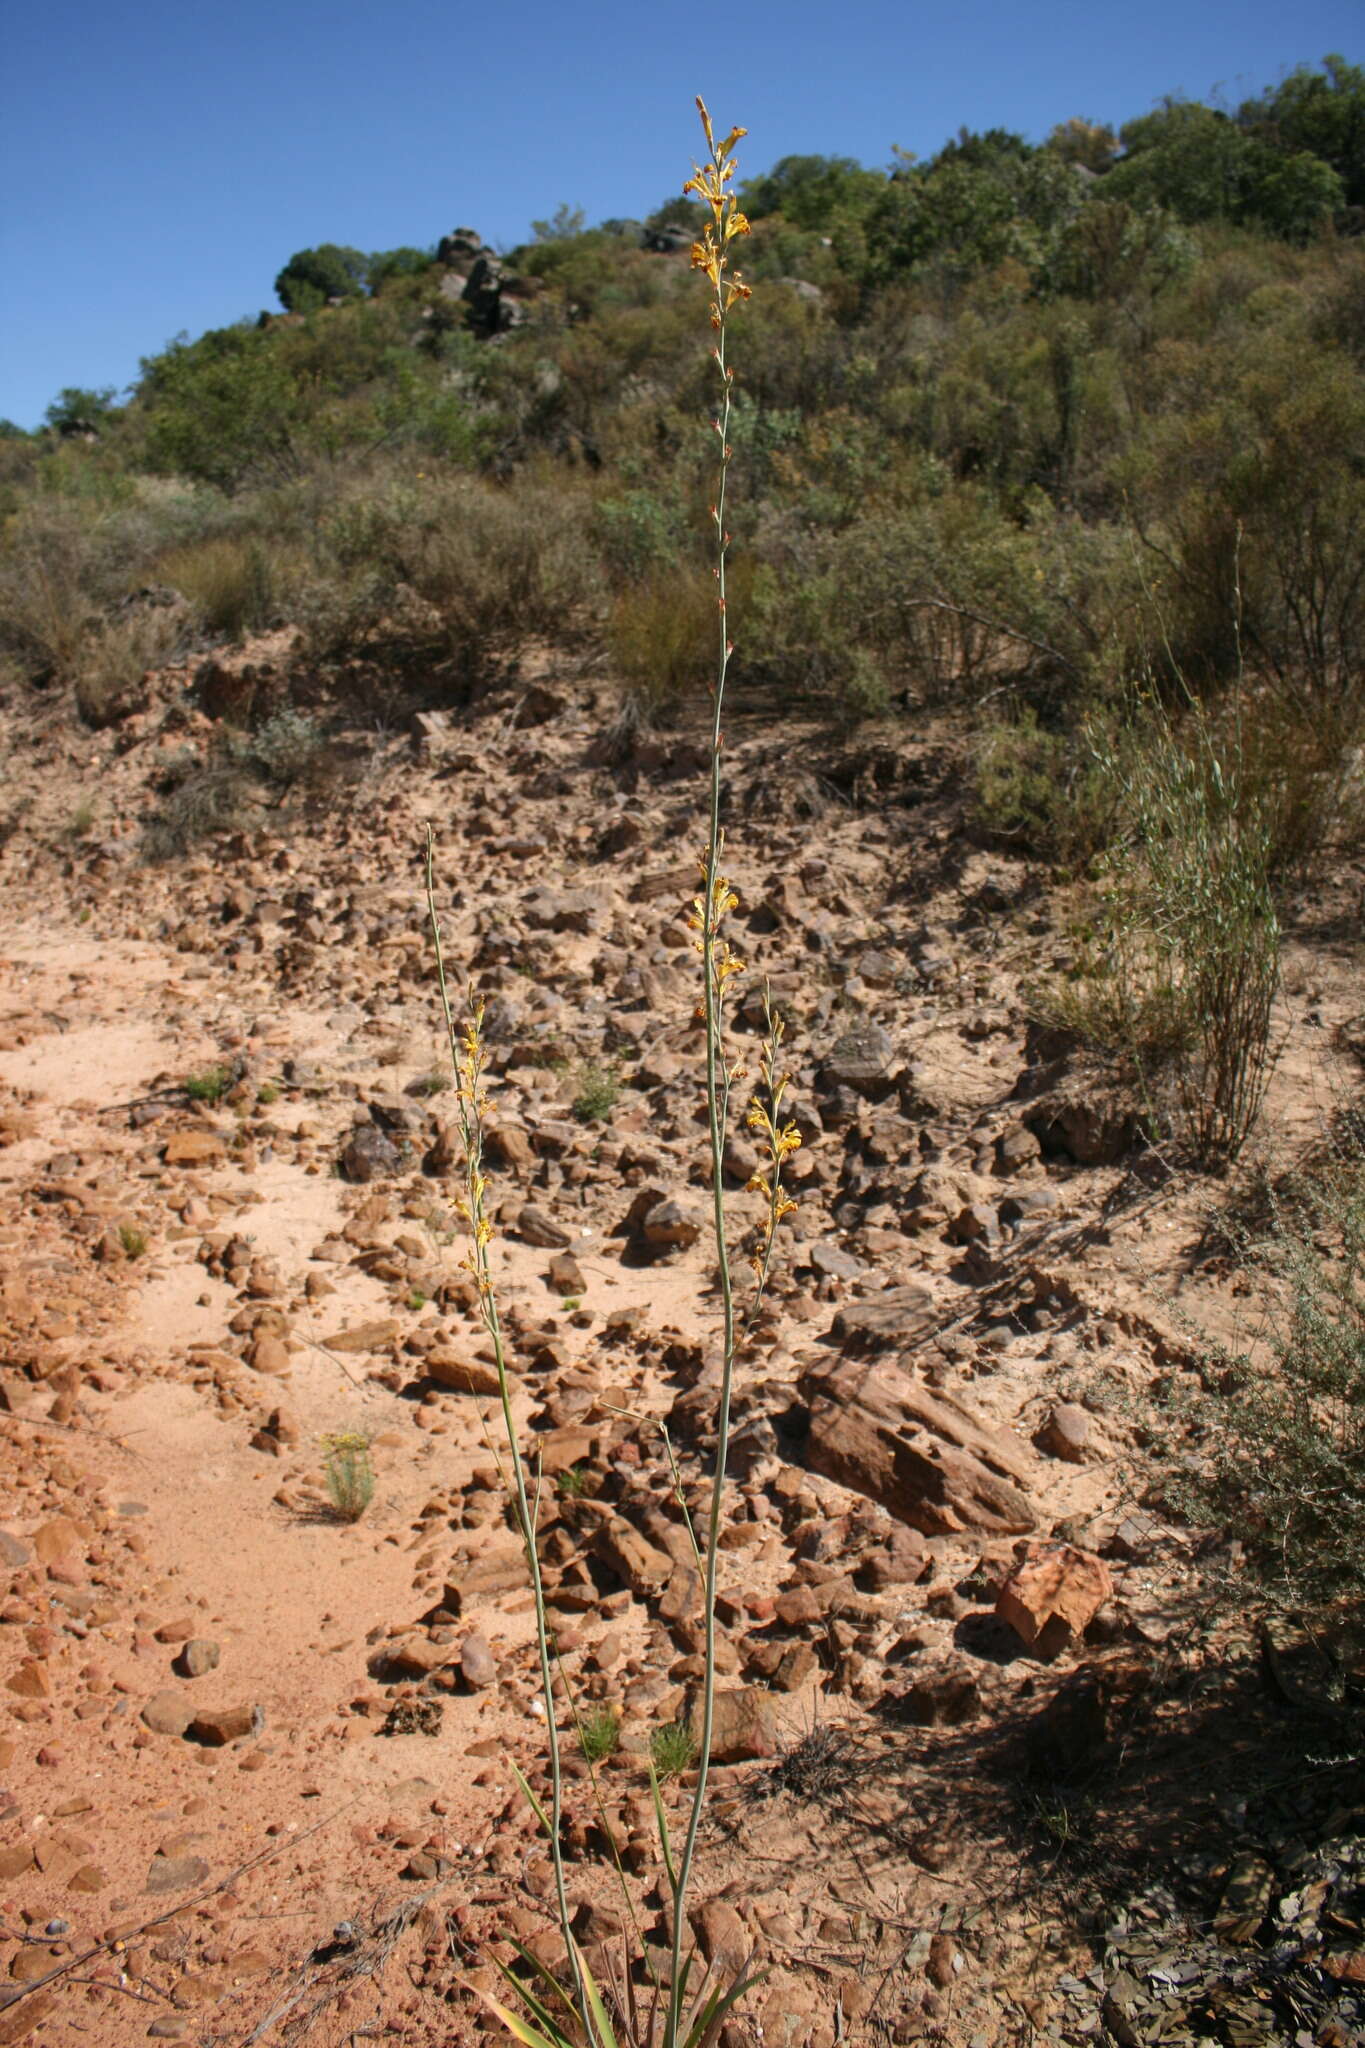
{"points": [[669, 2022]]}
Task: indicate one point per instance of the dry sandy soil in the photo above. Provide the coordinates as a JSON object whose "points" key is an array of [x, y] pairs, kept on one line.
{"points": [[254, 1777]]}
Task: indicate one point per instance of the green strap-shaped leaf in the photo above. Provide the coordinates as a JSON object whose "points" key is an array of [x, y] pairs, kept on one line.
{"points": [[662, 1818], [531, 1800]]}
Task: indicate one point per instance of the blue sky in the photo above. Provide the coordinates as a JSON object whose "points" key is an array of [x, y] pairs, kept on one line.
{"points": [[160, 163]]}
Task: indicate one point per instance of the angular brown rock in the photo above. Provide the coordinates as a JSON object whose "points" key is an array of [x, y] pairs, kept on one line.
{"points": [[632, 1557], [889, 1322], [461, 1375], [744, 1725], [216, 1726], [924, 1456], [1066, 1432], [194, 1148], [1053, 1595]]}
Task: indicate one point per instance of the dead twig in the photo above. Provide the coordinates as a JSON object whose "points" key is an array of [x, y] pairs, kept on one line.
{"points": [[111, 1942]]}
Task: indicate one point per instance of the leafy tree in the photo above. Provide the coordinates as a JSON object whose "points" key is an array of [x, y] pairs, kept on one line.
{"points": [[388, 263], [568, 221], [980, 201], [1091, 144], [1205, 166], [313, 276], [74, 408], [983, 149], [222, 409], [813, 192], [1322, 112], [1109, 250], [1293, 194], [678, 212], [11, 431], [1186, 156]]}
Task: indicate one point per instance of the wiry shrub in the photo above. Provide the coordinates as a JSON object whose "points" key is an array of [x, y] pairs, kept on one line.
{"points": [[1042, 791], [221, 790], [501, 567], [946, 597], [1302, 767], [115, 657], [236, 583], [48, 597], [199, 797], [460, 566], [1283, 1427], [653, 634], [1252, 505], [1181, 968]]}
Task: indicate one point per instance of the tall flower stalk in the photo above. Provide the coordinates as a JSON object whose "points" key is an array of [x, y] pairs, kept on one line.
{"points": [[713, 184], [685, 2024]]}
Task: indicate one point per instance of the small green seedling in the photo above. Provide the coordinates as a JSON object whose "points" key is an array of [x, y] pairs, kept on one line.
{"points": [[673, 1749], [209, 1086], [433, 1083], [133, 1240], [599, 1734]]}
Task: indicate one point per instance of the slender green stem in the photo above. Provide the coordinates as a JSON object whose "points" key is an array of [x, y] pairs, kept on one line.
{"points": [[468, 1068], [717, 1093]]}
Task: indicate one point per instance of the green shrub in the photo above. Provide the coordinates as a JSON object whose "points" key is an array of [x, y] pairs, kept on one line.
{"points": [[637, 534], [225, 410], [286, 749], [74, 410], [599, 1091]]}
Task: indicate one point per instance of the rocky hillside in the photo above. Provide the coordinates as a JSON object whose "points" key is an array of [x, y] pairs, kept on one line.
{"points": [[995, 1765]]}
